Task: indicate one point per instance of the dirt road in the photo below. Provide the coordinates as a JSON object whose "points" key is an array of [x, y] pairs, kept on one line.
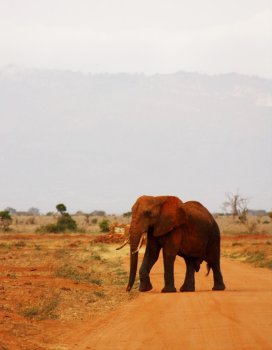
{"points": [[238, 318]]}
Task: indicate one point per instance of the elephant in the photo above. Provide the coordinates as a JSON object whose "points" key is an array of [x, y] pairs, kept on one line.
{"points": [[184, 229]]}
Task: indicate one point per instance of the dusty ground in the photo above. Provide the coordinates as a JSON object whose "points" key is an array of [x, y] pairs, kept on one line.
{"points": [[66, 291], [238, 318]]}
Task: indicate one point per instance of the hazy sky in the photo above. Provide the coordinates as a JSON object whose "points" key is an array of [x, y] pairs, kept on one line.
{"points": [[77, 123], [147, 36]]}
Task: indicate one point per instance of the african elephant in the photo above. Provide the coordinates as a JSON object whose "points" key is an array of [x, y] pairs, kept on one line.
{"points": [[184, 229]]}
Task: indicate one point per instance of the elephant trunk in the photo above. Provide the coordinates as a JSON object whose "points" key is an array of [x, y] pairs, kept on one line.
{"points": [[133, 269], [135, 243]]}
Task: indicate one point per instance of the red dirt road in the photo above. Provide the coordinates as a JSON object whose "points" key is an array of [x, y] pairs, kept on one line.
{"points": [[238, 318]]}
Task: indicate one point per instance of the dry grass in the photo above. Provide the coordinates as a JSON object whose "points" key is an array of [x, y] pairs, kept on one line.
{"points": [[255, 224], [30, 224], [256, 250], [228, 225], [250, 242], [57, 278]]}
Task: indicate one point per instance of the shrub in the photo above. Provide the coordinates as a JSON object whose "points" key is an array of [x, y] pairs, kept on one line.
{"points": [[5, 220], [94, 221], [104, 226], [64, 222], [87, 218]]}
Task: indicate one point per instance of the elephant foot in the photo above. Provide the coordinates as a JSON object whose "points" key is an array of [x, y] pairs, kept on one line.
{"points": [[219, 287], [187, 289], [168, 290], [145, 287]]}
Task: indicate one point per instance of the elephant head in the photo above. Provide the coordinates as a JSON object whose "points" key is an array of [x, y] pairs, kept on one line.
{"points": [[157, 215]]}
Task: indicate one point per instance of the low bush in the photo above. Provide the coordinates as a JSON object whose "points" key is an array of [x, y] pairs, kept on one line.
{"points": [[5, 220], [65, 223], [104, 226]]}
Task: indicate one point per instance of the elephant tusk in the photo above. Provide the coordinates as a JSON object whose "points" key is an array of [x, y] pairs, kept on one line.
{"points": [[142, 240], [139, 245], [122, 246]]}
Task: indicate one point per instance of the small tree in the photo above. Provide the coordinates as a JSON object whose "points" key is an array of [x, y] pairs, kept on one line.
{"points": [[5, 220], [12, 211], [33, 211], [237, 205], [127, 214], [87, 218], [61, 208]]}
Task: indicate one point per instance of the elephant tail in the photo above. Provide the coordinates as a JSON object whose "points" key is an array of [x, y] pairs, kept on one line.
{"points": [[208, 269]]}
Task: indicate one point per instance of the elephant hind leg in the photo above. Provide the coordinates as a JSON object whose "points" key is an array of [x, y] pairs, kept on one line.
{"points": [[217, 277]]}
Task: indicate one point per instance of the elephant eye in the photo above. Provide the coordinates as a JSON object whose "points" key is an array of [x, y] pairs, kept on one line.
{"points": [[148, 213]]}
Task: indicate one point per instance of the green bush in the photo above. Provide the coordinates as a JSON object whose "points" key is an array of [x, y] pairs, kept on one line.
{"points": [[104, 226], [5, 220], [65, 223]]}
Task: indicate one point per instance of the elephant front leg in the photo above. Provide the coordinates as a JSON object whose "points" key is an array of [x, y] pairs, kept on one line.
{"points": [[189, 281], [168, 261], [150, 257]]}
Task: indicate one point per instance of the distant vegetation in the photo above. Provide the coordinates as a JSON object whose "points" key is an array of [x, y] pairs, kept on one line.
{"points": [[238, 208], [104, 225], [98, 213], [65, 223], [31, 211], [5, 220]]}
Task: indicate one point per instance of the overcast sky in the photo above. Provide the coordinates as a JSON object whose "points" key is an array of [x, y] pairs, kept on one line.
{"points": [[149, 36], [223, 148]]}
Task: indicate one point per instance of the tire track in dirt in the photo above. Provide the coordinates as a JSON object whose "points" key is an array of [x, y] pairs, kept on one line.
{"points": [[237, 318]]}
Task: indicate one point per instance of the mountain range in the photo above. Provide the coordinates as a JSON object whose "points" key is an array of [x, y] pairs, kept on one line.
{"points": [[97, 141]]}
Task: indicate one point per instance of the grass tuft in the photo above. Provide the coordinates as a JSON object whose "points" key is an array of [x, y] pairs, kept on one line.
{"points": [[44, 310]]}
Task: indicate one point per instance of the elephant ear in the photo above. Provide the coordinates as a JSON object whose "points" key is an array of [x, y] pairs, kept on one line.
{"points": [[182, 216], [172, 215]]}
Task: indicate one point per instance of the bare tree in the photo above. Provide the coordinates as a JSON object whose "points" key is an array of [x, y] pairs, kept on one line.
{"points": [[237, 204]]}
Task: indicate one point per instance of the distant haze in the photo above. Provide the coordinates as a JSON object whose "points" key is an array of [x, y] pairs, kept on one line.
{"points": [[98, 141]]}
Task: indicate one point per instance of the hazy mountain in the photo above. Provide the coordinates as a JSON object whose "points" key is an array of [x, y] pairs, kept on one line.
{"points": [[99, 141]]}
